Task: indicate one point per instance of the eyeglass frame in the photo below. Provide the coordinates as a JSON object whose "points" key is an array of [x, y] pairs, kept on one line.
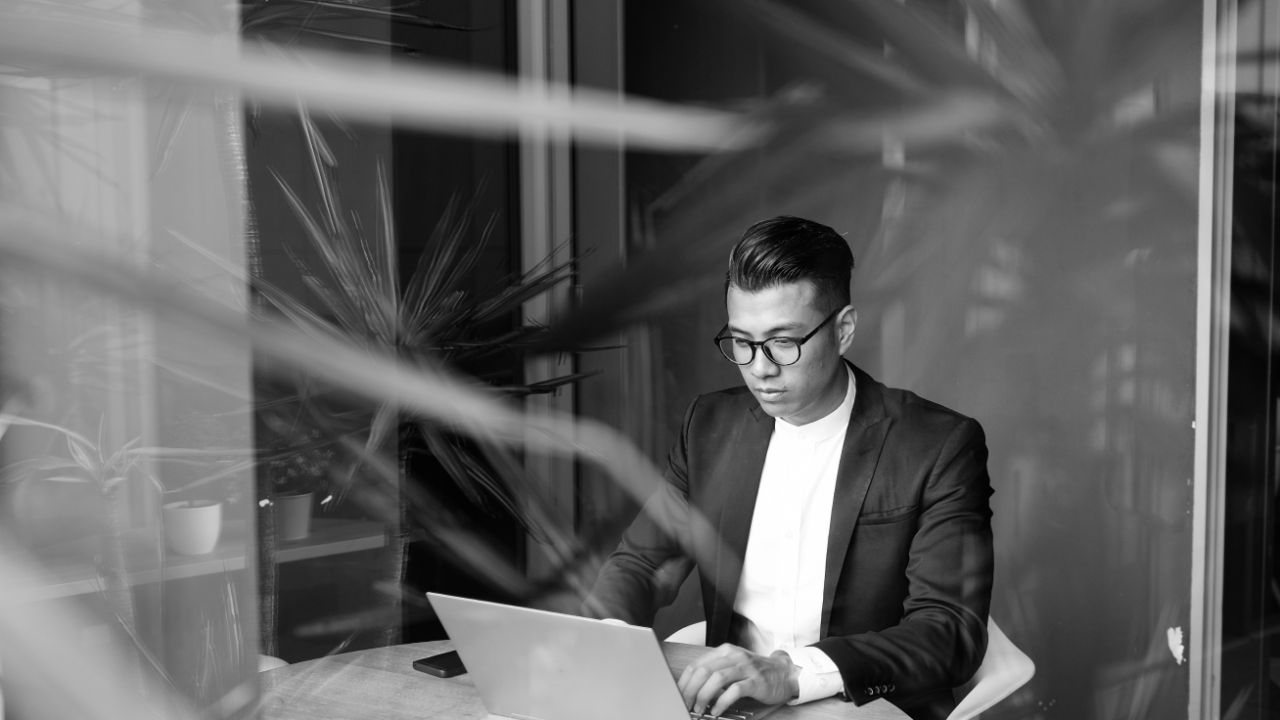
{"points": [[761, 343]]}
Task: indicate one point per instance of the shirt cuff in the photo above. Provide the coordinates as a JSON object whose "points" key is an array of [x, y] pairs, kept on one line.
{"points": [[819, 676]]}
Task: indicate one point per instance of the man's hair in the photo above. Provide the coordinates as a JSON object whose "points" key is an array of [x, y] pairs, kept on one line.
{"points": [[787, 249]]}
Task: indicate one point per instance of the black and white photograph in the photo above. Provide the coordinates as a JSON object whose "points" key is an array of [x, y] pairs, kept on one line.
{"points": [[639, 359]]}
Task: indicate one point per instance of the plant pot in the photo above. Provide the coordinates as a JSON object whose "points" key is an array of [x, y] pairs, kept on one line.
{"points": [[192, 528], [293, 516]]}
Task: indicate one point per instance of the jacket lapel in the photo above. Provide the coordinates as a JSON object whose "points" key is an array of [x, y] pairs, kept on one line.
{"points": [[868, 427], [734, 524]]}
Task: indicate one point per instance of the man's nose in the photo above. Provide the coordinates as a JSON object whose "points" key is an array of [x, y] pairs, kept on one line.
{"points": [[762, 366]]}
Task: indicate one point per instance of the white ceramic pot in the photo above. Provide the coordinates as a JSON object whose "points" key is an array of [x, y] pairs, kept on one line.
{"points": [[293, 516], [192, 528]]}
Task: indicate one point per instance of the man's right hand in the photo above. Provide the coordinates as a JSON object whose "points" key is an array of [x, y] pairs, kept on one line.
{"points": [[730, 673]]}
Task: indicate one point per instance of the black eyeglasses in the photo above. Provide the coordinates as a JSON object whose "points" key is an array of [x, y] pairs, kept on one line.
{"points": [[779, 350]]}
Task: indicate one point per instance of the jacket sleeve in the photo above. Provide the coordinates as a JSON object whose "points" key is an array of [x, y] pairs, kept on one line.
{"points": [[942, 637], [645, 572]]}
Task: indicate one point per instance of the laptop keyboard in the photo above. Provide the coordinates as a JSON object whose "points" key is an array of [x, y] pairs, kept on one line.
{"points": [[731, 714]]}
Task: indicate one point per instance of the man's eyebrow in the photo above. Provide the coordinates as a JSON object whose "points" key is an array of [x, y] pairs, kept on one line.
{"points": [[771, 332]]}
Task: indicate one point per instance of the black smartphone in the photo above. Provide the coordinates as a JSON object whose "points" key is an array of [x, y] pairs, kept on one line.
{"points": [[445, 665]]}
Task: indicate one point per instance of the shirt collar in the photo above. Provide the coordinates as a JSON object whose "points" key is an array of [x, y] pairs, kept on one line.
{"points": [[826, 427]]}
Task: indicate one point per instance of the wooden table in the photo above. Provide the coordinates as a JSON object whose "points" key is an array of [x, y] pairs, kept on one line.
{"points": [[382, 683]]}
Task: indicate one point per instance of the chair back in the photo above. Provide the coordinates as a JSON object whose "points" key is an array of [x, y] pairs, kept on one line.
{"points": [[1004, 669], [265, 663], [695, 634]]}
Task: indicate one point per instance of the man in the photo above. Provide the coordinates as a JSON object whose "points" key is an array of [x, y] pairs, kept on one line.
{"points": [[852, 529]]}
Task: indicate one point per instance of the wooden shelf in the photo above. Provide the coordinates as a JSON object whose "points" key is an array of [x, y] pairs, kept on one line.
{"points": [[332, 537], [70, 569]]}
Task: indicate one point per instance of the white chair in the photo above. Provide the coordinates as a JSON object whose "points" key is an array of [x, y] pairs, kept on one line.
{"points": [[267, 662], [1004, 669], [695, 634]]}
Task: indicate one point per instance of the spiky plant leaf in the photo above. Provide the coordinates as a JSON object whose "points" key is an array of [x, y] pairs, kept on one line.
{"points": [[355, 279], [432, 97]]}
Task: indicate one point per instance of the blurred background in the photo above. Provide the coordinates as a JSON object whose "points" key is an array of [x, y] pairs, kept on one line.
{"points": [[308, 307]]}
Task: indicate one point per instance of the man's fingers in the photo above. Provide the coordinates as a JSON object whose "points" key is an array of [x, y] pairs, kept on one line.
{"points": [[683, 682], [690, 686], [691, 682], [714, 685], [695, 675], [733, 652], [731, 695], [705, 678]]}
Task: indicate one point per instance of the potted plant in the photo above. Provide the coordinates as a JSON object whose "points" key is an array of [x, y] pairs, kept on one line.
{"points": [[89, 464], [193, 471], [192, 527], [433, 317], [298, 470]]}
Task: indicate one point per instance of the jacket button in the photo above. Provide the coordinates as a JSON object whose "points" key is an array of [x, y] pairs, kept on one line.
{"points": [[871, 691]]}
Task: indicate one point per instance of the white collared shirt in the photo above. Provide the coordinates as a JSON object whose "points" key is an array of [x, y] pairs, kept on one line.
{"points": [[784, 567]]}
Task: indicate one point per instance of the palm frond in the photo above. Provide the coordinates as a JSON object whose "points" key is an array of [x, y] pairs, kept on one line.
{"points": [[518, 342], [446, 261], [27, 422], [38, 464], [344, 9], [172, 121], [450, 459], [425, 96], [800, 33], [293, 310], [216, 476], [365, 296], [307, 319], [529, 286], [386, 276], [1025, 65], [346, 298], [548, 386], [361, 39], [920, 40], [702, 219]]}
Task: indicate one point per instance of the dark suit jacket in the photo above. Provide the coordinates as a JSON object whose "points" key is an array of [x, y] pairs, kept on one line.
{"points": [[909, 558]]}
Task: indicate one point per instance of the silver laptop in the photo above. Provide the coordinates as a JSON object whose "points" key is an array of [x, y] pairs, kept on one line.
{"points": [[538, 665]]}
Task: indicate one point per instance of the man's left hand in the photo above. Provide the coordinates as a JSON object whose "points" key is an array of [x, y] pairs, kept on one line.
{"points": [[731, 673]]}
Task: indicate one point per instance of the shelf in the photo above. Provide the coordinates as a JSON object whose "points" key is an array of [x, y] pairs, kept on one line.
{"points": [[332, 537], [69, 567]]}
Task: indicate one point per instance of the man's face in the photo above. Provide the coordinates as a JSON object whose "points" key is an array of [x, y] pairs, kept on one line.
{"points": [[815, 385]]}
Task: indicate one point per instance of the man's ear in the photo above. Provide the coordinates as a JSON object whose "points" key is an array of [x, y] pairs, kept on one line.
{"points": [[846, 324]]}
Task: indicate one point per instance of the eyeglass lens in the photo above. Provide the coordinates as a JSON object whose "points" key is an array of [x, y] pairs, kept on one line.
{"points": [[780, 351]]}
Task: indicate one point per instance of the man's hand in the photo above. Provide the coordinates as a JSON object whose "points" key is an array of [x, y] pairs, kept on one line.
{"points": [[733, 673]]}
